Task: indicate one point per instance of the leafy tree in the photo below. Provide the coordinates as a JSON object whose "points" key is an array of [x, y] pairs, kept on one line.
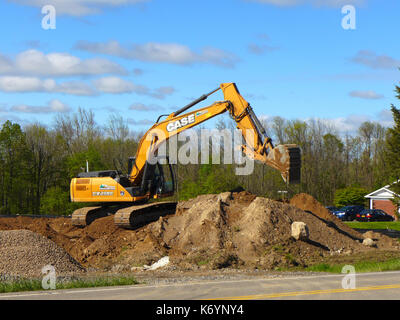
{"points": [[14, 157], [350, 196], [392, 152], [56, 202], [211, 179], [45, 160], [77, 162]]}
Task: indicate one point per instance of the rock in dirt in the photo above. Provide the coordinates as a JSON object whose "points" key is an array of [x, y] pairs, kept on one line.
{"points": [[368, 242], [299, 230], [311, 205]]}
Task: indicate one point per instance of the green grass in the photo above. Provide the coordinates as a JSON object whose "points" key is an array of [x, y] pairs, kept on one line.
{"points": [[362, 266], [20, 285], [202, 262], [394, 225], [36, 284]]}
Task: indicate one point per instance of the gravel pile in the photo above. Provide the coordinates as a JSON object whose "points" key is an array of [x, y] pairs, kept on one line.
{"points": [[25, 253]]}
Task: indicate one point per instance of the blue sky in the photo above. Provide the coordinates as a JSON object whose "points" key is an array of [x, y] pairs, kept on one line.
{"points": [[138, 58]]}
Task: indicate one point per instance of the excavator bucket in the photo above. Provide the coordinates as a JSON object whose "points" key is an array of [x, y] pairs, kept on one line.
{"points": [[287, 159]]}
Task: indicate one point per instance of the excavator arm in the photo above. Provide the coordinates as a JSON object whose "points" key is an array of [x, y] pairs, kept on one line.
{"points": [[124, 196], [284, 158]]}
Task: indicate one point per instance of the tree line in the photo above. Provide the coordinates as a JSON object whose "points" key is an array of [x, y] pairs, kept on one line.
{"points": [[37, 162]]}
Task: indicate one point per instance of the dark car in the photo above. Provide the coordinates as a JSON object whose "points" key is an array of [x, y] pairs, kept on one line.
{"points": [[332, 209], [348, 213], [373, 215]]}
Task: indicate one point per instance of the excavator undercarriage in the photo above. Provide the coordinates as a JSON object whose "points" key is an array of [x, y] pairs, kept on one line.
{"points": [[125, 216]]}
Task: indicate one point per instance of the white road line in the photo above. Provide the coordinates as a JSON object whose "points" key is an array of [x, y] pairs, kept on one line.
{"points": [[141, 286]]}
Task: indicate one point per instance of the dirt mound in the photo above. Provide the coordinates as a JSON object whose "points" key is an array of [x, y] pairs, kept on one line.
{"points": [[308, 203], [210, 231], [247, 230], [25, 253]]}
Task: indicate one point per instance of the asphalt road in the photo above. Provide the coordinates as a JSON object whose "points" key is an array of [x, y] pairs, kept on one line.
{"points": [[383, 285]]}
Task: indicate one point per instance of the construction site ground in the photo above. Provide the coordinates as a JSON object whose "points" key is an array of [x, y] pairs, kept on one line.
{"points": [[212, 237]]}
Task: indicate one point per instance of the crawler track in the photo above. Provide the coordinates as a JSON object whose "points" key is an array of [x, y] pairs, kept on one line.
{"points": [[127, 216]]}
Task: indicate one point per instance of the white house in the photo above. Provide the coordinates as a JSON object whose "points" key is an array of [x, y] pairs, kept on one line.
{"points": [[381, 199]]}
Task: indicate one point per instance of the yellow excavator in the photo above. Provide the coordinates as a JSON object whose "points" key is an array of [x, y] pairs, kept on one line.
{"points": [[126, 196]]}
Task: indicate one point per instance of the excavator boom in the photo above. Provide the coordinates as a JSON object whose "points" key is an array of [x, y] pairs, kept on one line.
{"points": [[284, 158], [147, 179]]}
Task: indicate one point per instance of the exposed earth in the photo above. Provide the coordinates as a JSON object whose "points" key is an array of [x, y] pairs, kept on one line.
{"points": [[210, 232]]}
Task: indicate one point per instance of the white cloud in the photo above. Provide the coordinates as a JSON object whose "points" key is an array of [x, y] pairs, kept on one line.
{"points": [[5, 64], [78, 7], [36, 63], [161, 52], [369, 94], [52, 107], [77, 88], [162, 92], [374, 61], [33, 84], [348, 124], [385, 118], [118, 85], [26, 84], [113, 85], [351, 123]]}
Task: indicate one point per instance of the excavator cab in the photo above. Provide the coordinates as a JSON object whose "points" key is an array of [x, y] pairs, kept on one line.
{"points": [[158, 179], [118, 192], [164, 185]]}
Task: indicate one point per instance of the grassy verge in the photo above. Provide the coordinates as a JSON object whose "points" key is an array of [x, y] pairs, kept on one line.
{"points": [[36, 284], [361, 266], [394, 225]]}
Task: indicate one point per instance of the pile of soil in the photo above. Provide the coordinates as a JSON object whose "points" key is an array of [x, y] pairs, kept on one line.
{"points": [[209, 232], [246, 230], [308, 203], [25, 253]]}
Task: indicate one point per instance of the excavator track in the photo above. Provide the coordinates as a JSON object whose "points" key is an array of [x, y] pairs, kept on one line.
{"points": [[85, 216], [125, 216], [136, 216]]}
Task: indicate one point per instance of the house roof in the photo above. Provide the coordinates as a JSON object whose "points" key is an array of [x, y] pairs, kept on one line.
{"points": [[382, 193]]}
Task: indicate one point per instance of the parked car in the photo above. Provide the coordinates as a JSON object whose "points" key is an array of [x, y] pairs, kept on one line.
{"points": [[348, 213], [373, 215], [332, 209]]}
